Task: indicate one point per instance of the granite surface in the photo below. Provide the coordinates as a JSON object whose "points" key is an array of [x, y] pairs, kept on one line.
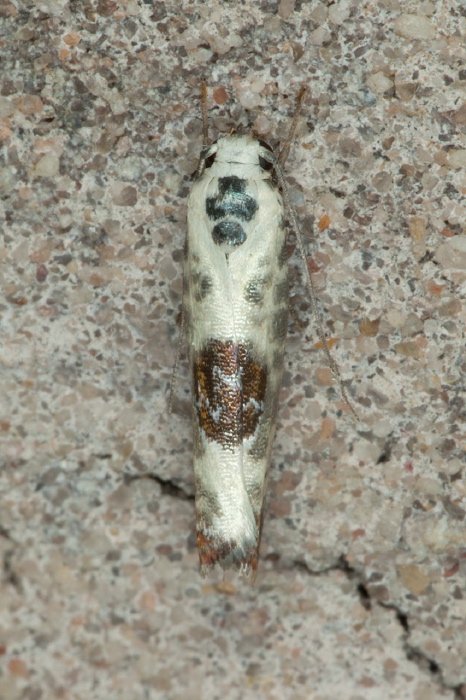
{"points": [[361, 588]]}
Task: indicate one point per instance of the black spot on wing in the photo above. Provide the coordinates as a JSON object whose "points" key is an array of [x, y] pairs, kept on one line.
{"points": [[241, 206], [231, 200], [230, 232], [231, 184]]}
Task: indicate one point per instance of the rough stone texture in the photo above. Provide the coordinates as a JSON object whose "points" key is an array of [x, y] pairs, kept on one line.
{"points": [[361, 591]]}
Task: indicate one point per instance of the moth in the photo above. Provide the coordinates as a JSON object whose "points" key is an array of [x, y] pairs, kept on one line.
{"points": [[235, 316]]}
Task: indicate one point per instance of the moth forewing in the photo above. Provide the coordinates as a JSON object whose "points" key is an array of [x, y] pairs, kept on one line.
{"points": [[236, 306]]}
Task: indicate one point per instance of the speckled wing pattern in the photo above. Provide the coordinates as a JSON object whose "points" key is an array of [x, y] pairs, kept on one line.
{"points": [[236, 309]]}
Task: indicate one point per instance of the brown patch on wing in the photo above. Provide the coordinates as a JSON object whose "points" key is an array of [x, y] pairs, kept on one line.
{"points": [[254, 385], [210, 551], [229, 392], [225, 554]]}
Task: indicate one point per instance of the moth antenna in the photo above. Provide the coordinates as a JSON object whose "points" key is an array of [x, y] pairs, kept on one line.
{"points": [[285, 149], [177, 362], [205, 114], [296, 320], [310, 286], [200, 168], [205, 130]]}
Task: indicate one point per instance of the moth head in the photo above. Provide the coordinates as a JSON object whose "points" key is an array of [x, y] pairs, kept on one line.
{"points": [[238, 150]]}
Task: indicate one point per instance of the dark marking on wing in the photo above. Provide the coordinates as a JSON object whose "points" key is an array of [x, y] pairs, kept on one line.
{"points": [[254, 379], [210, 504], [230, 232], [227, 554], [255, 289], [277, 362], [280, 323], [283, 255], [260, 445], [232, 183], [229, 392], [231, 200], [256, 497], [202, 285], [254, 292], [281, 292]]}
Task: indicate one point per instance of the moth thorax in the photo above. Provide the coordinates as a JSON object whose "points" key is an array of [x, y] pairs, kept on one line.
{"points": [[229, 209]]}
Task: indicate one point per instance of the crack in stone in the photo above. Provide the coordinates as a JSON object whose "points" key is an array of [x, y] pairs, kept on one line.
{"points": [[167, 486], [341, 565], [416, 655], [424, 663]]}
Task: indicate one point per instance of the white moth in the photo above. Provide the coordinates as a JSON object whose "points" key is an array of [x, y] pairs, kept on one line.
{"points": [[235, 311]]}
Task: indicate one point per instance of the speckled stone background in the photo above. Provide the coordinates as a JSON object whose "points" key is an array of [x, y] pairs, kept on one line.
{"points": [[361, 590]]}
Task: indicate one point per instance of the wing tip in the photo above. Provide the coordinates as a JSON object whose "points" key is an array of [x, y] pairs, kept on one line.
{"points": [[227, 555]]}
